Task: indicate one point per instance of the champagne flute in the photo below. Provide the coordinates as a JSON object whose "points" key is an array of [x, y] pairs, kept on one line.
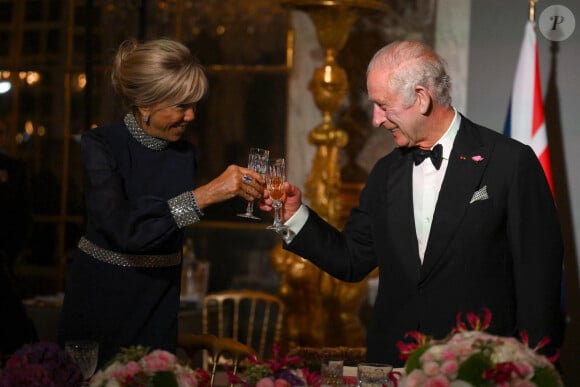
{"points": [[275, 178], [85, 354], [257, 161]]}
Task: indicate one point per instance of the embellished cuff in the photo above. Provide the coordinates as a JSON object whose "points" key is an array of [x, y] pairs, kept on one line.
{"points": [[184, 209]]}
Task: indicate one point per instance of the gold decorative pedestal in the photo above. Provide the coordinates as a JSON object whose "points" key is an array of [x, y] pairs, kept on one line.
{"points": [[323, 311]]}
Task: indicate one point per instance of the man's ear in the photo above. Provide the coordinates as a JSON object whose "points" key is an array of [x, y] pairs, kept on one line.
{"points": [[424, 100]]}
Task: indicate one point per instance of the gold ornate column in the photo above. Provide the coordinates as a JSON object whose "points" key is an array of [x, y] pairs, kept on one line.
{"points": [[323, 311]]}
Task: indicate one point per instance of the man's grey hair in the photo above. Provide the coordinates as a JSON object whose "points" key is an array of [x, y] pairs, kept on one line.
{"points": [[412, 64]]}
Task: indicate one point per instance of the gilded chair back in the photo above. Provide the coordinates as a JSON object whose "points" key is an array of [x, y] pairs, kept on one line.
{"points": [[215, 349], [251, 317]]}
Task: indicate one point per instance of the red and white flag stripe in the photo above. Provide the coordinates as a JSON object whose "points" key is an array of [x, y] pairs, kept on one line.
{"points": [[526, 121]]}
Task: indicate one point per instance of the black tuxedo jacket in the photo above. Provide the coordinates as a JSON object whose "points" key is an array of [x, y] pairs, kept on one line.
{"points": [[503, 252]]}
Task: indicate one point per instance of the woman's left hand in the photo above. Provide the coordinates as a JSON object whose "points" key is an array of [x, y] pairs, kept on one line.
{"points": [[234, 181]]}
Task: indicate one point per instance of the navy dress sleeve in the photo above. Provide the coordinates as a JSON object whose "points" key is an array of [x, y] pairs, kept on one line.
{"points": [[127, 191]]}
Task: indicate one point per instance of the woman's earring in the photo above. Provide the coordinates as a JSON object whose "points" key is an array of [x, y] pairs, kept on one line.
{"points": [[147, 120]]}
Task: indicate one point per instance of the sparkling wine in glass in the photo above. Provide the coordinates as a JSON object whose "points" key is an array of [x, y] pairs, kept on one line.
{"points": [[275, 178], [85, 353], [257, 161]]}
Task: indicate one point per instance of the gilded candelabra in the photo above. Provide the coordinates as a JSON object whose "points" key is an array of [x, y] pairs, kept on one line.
{"points": [[323, 311]]}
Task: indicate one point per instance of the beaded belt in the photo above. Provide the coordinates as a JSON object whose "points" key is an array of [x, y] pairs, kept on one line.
{"points": [[128, 260]]}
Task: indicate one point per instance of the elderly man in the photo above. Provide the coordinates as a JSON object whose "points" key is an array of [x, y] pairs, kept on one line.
{"points": [[473, 227]]}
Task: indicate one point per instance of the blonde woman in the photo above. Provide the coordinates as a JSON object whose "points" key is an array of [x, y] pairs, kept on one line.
{"points": [[123, 284]]}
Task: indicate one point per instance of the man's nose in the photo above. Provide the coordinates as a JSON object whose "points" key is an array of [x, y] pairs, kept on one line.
{"points": [[379, 116]]}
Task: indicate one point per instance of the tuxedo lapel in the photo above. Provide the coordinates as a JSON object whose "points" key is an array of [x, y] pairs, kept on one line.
{"points": [[399, 216], [462, 179]]}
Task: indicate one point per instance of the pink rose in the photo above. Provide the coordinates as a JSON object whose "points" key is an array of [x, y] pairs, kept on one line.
{"points": [[450, 368], [427, 356], [431, 368], [126, 372], [265, 382], [524, 369], [415, 379], [477, 158], [281, 383], [132, 368], [159, 360], [437, 381], [448, 355]]}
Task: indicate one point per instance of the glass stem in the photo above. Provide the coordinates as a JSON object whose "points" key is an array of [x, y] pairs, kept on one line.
{"points": [[277, 217], [250, 207]]}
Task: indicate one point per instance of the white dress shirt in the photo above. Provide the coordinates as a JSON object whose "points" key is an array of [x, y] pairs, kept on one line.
{"points": [[427, 184]]}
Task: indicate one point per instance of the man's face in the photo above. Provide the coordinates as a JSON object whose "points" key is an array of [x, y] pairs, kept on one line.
{"points": [[391, 112]]}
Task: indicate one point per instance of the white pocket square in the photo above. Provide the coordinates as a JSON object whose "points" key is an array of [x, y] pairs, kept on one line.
{"points": [[480, 194]]}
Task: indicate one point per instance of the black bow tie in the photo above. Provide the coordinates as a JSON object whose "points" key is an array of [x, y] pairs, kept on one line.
{"points": [[435, 154]]}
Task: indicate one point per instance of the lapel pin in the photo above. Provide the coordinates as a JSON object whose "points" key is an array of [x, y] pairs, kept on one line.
{"points": [[462, 157]]}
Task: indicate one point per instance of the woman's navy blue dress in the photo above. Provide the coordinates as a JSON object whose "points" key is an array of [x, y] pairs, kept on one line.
{"points": [[127, 186]]}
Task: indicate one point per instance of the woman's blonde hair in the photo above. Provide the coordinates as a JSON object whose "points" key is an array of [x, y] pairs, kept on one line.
{"points": [[156, 72]]}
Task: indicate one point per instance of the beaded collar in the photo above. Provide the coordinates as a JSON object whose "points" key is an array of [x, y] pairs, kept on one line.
{"points": [[143, 137]]}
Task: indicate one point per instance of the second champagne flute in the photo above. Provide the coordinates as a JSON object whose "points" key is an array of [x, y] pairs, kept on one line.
{"points": [[85, 354], [275, 178], [257, 161]]}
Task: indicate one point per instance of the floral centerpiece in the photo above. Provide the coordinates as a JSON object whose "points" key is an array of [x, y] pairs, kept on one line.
{"points": [[41, 364], [279, 371], [136, 367], [472, 357]]}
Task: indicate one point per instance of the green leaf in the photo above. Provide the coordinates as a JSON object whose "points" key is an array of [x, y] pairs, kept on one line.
{"points": [[546, 377], [471, 370], [164, 379], [256, 372], [413, 361]]}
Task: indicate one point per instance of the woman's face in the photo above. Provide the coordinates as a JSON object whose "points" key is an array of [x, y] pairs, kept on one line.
{"points": [[168, 123]]}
